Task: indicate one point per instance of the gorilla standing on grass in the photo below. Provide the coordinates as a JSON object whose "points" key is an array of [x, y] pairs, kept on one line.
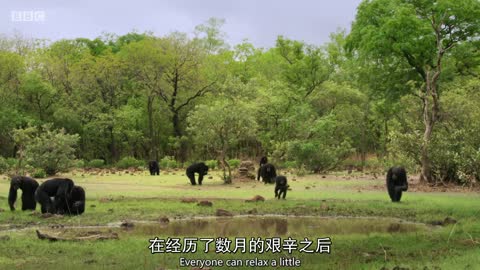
{"points": [[28, 187], [268, 173], [263, 161], [199, 168], [281, 186], [396, 183], [60, 189], [75, 204], [153, 167]]}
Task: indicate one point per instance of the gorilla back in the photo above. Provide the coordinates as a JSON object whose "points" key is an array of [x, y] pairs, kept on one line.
{"points": [[75, 204], [268, 173], [396, 183], [59, 188], [28, 186], [199, 168]]}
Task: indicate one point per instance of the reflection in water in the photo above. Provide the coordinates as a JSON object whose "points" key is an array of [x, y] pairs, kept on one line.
{"points": [[276, 226]]}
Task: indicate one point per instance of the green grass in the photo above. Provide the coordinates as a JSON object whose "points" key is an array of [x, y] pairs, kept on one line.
{"points": [[147, 198]]}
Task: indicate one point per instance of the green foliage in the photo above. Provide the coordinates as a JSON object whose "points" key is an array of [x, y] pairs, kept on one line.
{"points": [[129, 162], [212, 164], [169, 162], [39, 173], [95, 163], [234, 163], [80, 163], [3, 165], [50, 150]]}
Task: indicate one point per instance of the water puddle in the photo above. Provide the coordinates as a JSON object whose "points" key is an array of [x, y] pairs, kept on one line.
{"points": [[276, 226], [249, 226]]}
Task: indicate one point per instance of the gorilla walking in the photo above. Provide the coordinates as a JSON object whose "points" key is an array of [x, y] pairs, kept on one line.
{"points": [[199, 168], [396, 183], [268, 173], [153, 167], [281, 186], [28, 186], [263, 161], [60, 189]]}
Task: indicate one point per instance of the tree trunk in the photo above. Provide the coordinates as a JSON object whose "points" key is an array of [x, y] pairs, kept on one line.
{"points": [[153, 142], [430, 116]]}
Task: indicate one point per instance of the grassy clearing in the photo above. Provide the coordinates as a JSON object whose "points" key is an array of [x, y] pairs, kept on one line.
{"points": [[112, 198]]}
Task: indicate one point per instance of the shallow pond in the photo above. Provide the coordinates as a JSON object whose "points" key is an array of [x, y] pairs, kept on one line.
{"points": [[276, 226]]}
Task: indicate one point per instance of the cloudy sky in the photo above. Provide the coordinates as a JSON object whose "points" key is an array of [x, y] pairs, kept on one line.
{"points": [[259, 21]]}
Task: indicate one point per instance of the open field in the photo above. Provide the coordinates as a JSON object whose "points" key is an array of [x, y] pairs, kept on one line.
{"points": [[143, 200]]}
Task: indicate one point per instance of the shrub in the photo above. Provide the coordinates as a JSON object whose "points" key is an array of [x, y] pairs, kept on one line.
{"points": [[96, 163], [129, 162], [3, 165], [212, 164], [79, 163], [39, 173], [168, 162], [234, 163]]}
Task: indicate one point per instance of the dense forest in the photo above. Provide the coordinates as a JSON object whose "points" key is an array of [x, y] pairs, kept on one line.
{"points": [[402, 87]]}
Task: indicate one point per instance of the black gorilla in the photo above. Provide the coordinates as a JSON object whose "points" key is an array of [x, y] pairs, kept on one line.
{"points": [[263, 161], [396, 183], [199, 168], [268, 173], [281, 186], [75, 203], [28, 187], [153, 167], [60, 189]]}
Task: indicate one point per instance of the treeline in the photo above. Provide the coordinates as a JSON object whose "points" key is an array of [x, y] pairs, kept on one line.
{"points": [[401, 88]]}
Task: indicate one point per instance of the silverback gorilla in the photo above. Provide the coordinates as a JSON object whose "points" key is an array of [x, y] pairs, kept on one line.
{"points": [[396, 183], [75, 204], [28, 187], [60, 189], [199, 168], [281, 186], [263, 161], [153, 167], [268, 173]]}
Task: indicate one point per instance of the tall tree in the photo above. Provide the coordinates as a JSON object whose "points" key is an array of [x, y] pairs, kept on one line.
{"points": [[420, 35]]}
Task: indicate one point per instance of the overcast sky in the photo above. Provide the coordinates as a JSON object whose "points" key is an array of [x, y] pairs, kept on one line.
{"points": [[259, 21]]}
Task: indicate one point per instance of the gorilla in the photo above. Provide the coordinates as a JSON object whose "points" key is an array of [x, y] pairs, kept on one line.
{"points": [[396, 183], [281, 186], [28, 186], [153, 167], [199, 168], [268, 173], [75, 203], [263, 161], [60, 189]]}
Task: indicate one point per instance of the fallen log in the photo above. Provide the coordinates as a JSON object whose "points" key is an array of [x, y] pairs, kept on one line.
{"points": [[44, 236]]}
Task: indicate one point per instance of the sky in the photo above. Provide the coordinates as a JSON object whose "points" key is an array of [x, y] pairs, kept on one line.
{"points": [[258, 21]]}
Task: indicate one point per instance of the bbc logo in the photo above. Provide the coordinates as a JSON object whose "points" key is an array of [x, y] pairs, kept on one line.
{"points": [[28, 16]]}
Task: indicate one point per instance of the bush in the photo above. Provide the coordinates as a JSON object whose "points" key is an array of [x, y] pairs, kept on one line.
{"points": [[168, 162], [12, 162], [96, 163], [129, 162], [39, 173], [234, 163], [51, 150], [212, 164], [3, 165], [79, 163]]}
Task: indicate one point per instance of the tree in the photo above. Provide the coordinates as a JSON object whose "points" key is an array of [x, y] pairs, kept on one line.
{"points": [[51, 150], [418, 34], [221, 126]]}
